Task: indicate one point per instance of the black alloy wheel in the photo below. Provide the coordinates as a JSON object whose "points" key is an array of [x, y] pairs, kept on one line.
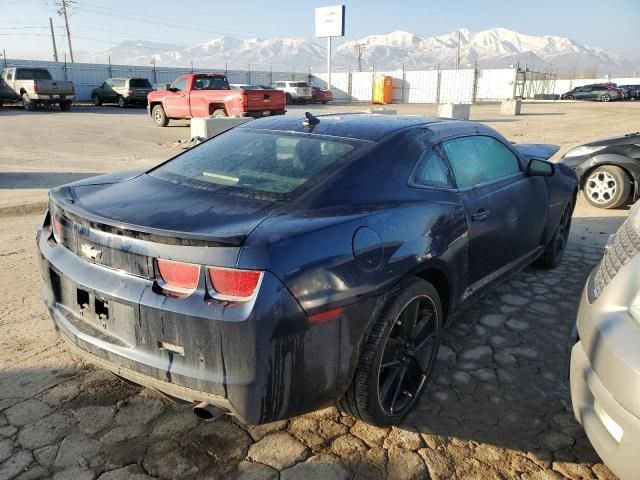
{"points": [[398, 356]]}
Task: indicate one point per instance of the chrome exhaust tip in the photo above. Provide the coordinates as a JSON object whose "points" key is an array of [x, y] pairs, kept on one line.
{"points": [[207, 412]]}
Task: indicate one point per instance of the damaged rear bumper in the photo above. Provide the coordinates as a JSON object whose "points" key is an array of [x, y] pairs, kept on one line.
{"points": [[262, 361]]}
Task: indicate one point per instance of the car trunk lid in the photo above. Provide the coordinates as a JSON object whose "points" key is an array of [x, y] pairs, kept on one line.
{"points": [[541, 151], [125, 225]]}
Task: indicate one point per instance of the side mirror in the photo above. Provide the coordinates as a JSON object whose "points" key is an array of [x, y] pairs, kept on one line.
{"points": [[540, 168], [173, 89]]}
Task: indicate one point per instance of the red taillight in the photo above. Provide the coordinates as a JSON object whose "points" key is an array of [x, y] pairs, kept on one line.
{"points": [[56, 226], [130, 92], [234, 284], [35, 86], [178, 277]]}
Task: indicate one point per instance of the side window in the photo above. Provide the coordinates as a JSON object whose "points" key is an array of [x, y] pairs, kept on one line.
{"points": [[9, 75], [432, 170], [181, 84], [479, 159]]}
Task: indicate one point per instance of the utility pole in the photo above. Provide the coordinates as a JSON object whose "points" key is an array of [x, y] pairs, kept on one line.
{"points": [[329, 63], [63, 11], [458, 53], [4, 57], [53, 40], [360, 47]]}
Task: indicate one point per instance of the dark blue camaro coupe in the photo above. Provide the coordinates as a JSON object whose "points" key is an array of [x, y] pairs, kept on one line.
{"points": [[295, 262]]}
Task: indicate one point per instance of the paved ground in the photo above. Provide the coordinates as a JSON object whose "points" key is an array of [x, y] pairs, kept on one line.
{"points": [[497, 407]]}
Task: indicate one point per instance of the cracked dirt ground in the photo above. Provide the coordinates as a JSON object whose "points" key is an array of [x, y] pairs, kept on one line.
{"points": [[497, 406]]}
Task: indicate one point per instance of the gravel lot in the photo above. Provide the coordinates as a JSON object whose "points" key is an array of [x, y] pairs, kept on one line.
{"points": [[498, 406]]}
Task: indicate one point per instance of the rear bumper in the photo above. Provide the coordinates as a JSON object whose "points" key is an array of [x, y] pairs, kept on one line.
{"points": [[263, 113], [612, 430], [52, 97], [605, 372], [262, 360]]}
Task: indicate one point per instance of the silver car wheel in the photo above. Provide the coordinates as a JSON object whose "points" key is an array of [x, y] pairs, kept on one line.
{"points": [[601, 187]]}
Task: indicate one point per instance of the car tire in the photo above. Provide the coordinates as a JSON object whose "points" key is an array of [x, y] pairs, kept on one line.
{"points": [[608, 186], [122, 103], [65, 106], [325, 102], [219, 113], [553, 253], [159, 116], [398, 339], [569, 97], [605, 98], [27, 103], [96, 100], [288, 99]]}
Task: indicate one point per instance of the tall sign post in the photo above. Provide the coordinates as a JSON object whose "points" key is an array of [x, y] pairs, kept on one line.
{"points": [[329, 23]]}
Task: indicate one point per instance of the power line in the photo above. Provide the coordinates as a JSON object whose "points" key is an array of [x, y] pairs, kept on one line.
{"points": [[169, 21]]}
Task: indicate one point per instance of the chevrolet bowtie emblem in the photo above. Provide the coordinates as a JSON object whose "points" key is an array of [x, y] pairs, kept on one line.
{"points": [[90, 251]]}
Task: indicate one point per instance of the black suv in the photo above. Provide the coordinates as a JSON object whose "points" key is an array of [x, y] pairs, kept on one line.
{"points": [[123, 91]]}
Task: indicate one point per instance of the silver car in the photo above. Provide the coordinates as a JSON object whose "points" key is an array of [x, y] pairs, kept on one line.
{"points": [[605, 361]]}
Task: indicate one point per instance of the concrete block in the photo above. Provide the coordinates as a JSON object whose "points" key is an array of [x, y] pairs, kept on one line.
{"points": [[209, 127], [382, 111], [457, 111], [510, 107]]}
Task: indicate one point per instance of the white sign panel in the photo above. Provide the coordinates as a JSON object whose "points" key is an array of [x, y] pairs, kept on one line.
{"points": [[330, 21]]}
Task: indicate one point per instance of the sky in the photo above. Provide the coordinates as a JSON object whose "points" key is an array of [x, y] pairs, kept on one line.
{"points": [[95, 24]]}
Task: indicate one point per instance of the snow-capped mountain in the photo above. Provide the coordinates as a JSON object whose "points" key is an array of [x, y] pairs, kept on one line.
{"points": [[489, 48]]}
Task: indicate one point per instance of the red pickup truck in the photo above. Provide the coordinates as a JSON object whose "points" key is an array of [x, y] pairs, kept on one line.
{"points": [[209, 95]]}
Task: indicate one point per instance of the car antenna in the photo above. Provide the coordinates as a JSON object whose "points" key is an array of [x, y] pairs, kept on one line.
{"points": [[310, 120]]}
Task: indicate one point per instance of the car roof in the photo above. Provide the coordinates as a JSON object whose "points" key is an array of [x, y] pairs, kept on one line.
{"points": [[362, 126]]}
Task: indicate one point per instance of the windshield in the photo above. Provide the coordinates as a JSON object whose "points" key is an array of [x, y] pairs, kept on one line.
{"points": [[33, 74], [267, 163], [139, 83], [211, 83]]}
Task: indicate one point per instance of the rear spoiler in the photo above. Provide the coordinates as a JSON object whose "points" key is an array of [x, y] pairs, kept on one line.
{"points": [[536, 150]]}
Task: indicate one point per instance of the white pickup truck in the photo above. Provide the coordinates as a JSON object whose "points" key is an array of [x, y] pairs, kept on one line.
{"points": [[34, 86]]}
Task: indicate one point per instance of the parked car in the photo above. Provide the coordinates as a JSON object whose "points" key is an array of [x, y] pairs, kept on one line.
{"points": [[295, 92], [608, 170], [210, 95], [295, 261], [633, 90], [245, 86], [34, 86], [123, 91], [605, 359], [321, 95], [603, 93]]}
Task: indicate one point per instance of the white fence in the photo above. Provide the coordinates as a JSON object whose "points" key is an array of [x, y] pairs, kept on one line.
{"points": [[414, 86], [409, 86]]}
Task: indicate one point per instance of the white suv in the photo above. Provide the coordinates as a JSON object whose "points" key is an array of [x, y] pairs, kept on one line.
{"points": [[295, 91]]}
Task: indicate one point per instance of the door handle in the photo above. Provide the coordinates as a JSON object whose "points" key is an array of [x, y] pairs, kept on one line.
{"points": [[480, 215], [183, 95]]}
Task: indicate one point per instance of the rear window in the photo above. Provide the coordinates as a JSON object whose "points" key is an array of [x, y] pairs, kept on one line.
{"points": [[32, 74], [277, 165], [139, 83], [300, 84], [211, 83]]}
